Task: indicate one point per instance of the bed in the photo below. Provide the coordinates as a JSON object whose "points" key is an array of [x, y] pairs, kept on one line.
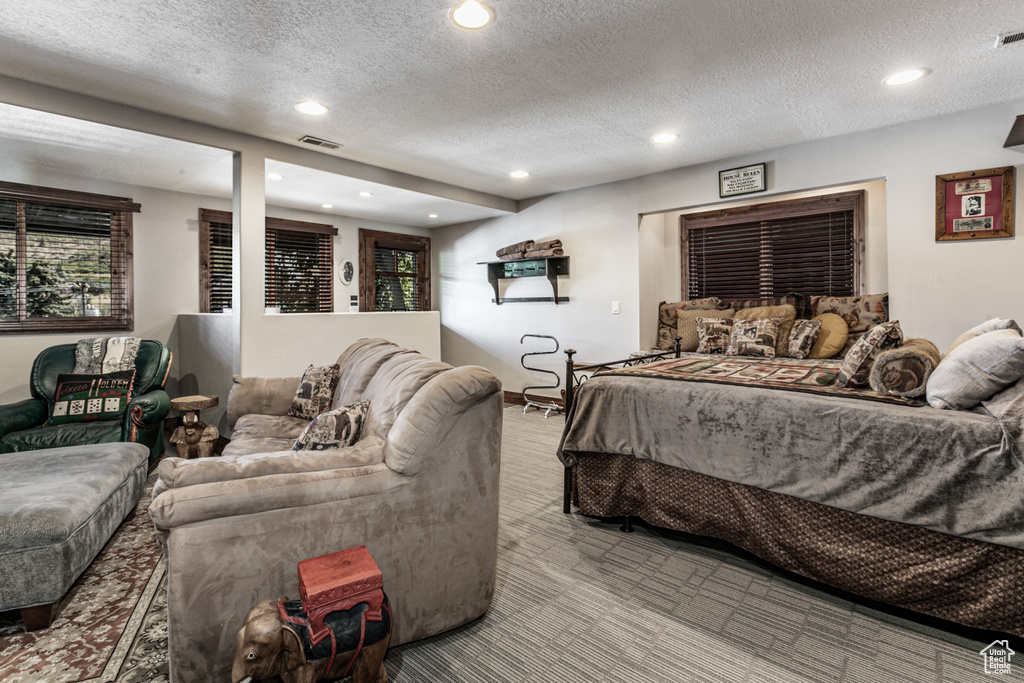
{"points": [[895, 501]]}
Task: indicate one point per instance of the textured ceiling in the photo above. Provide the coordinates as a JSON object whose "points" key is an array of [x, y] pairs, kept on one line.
{"points": [[569, 89]]}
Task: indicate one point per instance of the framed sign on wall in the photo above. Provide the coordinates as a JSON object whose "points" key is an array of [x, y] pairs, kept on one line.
{"points": [[743, 180], [974, 204]]}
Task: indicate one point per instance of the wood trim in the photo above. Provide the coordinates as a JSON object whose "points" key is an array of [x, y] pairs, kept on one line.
{"points": [[299, 226], [205, 280], [87, 200]]}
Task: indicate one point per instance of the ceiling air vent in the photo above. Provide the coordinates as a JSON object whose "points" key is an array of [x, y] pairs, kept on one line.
{"points": [[317, 142], [1005, 39]]}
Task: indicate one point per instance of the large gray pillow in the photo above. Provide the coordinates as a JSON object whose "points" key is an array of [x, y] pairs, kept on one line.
{"points": [[978, 330], [977, 370]]}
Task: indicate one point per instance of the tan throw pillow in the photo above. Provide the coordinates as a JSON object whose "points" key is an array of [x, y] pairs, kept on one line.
{"points": [[334, 429], [686, 326], [805, 332], [856, 367], [860, 312], [978, 330], [977, 370], [315, 392], [831, 337], [713, 334], [785, 313], [754, 338]]}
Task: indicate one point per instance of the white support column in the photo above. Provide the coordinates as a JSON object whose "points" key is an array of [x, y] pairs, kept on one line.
{"points": [[249, 233]]}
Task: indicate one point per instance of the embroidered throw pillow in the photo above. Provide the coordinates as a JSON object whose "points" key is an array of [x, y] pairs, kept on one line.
{"points": [[713, 334], [805, 333], [785, 314], [860, 312], [856, 367], [315, 392], [337, 428], [754, 338], [89, 398]]}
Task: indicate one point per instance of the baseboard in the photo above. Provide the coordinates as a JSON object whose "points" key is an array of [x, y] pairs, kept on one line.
{"points": [[516, 398]]}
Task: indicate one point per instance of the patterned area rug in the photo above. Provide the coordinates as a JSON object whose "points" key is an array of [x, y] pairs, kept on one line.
{"points": [[791, 374], [576, 601], [111, 625]]}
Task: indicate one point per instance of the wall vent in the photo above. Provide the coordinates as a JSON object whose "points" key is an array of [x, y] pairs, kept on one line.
{"points": [[318, 142], [1005, 39]]}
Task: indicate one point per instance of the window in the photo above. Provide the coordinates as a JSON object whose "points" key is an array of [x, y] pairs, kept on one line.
{"points": [[299, 265], [812, 246], [394, 272], [65, 260]]}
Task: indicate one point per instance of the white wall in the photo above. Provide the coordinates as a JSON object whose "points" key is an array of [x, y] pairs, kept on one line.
{"points": [[936, 289]]}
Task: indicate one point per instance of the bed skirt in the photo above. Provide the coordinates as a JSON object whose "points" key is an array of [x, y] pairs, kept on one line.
{"points": [[961, 580]]}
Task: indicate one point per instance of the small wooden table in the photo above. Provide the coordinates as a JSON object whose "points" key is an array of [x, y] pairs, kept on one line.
{"points": [[198, 438]]}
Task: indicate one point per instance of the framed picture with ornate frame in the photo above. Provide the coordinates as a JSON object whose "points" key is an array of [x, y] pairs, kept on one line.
{"points": [[974, 204]]}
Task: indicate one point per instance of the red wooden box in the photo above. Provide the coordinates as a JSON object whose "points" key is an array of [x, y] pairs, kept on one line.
{"points": [[338, 582]]}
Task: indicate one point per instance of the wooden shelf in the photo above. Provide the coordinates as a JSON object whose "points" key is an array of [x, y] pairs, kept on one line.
{"points": [[550, 267]]}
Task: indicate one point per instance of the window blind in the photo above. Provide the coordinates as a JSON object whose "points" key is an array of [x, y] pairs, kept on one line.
{"points": [[299, 271], [768, 254], [395, 272], [215, 265]]}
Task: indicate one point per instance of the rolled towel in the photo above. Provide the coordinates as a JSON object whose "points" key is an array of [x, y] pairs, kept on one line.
{"points": [[518, 247], [546, 244], [514, 256], [543, 253]]}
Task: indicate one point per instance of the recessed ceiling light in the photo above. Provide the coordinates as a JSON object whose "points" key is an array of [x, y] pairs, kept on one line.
{"points": [[364, 193], [471, 14], [904, 77], [327, 206], [665, 138], [520, 174], [433, 215], [275, 176], [311, 108]]}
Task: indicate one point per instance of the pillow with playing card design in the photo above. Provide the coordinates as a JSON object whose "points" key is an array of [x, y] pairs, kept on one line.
{"points": [[89, 398]]}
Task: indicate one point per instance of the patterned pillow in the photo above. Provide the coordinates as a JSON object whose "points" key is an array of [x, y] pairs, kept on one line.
{"points": [[805, 333], [800, 303], [90, 398], [686, 326], [713, 334], [785, 313], [904, 371], [856, 367], [337, 428], [315, 392], [754, 337], [667, 320], [860, 312]]}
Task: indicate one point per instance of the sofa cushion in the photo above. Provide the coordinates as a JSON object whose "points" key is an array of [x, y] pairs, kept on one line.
{"points": [[832, 336], [904, 371], [784, 313], [264, 433], [89, 398], [338, 428], [801, 341], [397, 380], [977, 370], [978, 330], [861, 313], [177, 472], [260, 396], [359, 363], [757, 337], [856, 366], [315, 392], [713, 334]]}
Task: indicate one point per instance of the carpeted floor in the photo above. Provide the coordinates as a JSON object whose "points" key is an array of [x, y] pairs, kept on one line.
{"points": [[578, 600]]}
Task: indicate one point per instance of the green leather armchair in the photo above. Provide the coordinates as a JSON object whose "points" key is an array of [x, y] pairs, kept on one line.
{"points": [[23, 424]]}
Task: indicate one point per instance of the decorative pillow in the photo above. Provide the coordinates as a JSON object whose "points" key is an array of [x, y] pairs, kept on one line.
{"points": [[686, 326], [904, 371], [667, 321], [800, 303], [860, 312], [754, 337], [337, 428], [89, 398], [978, 330], [977, 370], [856, 366], [831, 338], [805, 333], [315, 392], [785, 313], [713, 334]]}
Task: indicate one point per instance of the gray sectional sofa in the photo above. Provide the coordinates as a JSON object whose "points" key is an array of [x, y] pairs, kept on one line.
{"points": [[419, 489]]}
